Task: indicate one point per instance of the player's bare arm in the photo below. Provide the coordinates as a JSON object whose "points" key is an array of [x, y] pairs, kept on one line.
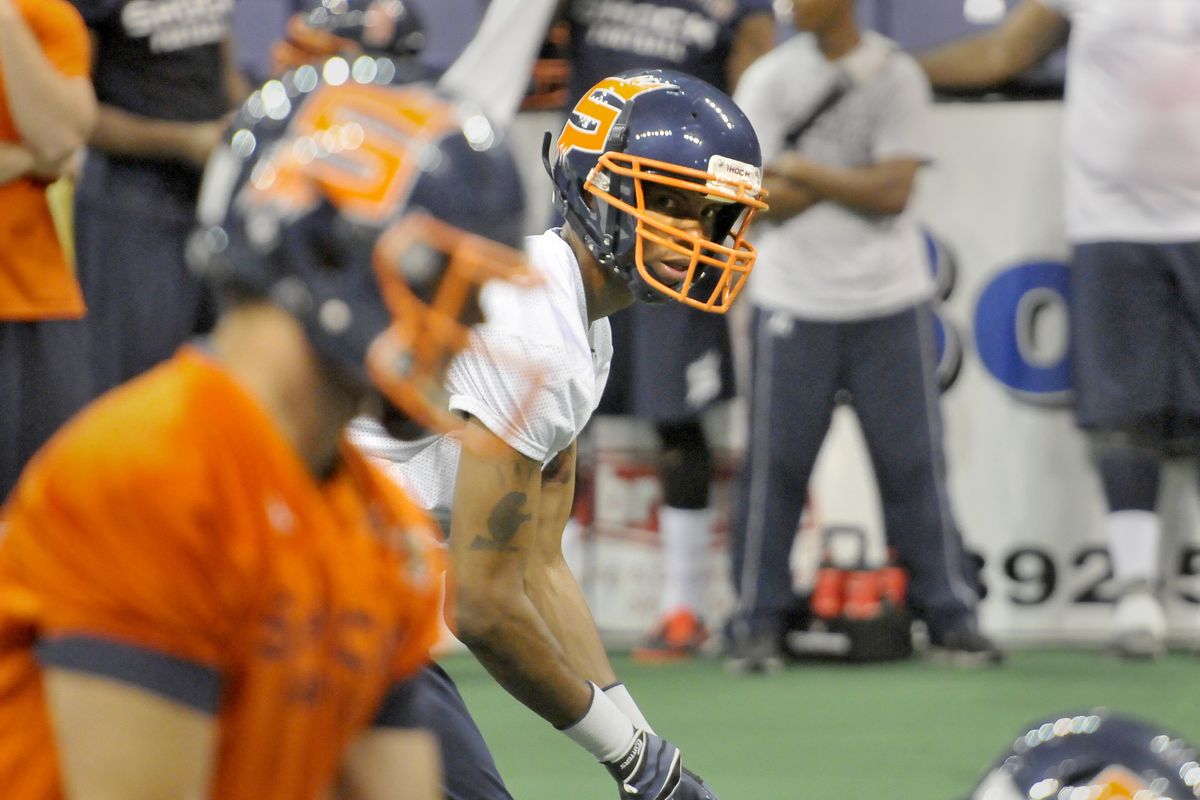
{"points": [[383, 759], [120, 742], [1031, 32], [552, 586], [880, 188], [54, 114], [493, 539]]}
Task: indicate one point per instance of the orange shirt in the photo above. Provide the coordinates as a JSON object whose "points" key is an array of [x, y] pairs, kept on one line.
{"points": [[172, 517], [36, 282]]}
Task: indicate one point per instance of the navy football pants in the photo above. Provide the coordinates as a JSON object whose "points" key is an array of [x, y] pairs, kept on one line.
{"points": [[430, 700]]}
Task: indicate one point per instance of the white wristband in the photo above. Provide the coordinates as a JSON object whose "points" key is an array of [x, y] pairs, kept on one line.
{"points": [[624, 701], [604, 731]]}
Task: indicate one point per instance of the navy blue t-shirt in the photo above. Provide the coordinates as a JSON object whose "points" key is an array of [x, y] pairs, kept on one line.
{"points": [[692, 36], [160, 58]]}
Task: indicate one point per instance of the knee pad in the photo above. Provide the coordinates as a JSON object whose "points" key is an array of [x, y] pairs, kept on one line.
{"points": [[685, 465]]}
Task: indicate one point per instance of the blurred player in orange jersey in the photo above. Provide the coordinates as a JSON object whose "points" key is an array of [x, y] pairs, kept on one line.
{"points": [[204, 590], [47, 111]]}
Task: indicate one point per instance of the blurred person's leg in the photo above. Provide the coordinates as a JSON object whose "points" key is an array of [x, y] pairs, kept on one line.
{"points": [[430, 700], [143, 302], [891, 364], [1126, 343], [44, 381], [793, 379]]}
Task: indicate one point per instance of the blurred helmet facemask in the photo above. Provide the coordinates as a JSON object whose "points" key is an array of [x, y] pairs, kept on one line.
{"points": [[373, 213]]}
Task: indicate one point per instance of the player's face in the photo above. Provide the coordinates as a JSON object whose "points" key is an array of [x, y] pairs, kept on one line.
{"points": [[679, 208]]}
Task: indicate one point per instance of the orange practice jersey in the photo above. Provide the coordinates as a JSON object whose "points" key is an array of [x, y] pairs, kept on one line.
{"points": [[172, 521], [36, 282]]}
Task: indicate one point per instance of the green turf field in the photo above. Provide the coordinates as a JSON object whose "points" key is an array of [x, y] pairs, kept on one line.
{"points": [[906, 731]]}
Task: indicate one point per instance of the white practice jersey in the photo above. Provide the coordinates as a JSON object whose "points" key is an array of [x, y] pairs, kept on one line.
{"points": [[1131, 131], [832, 262], [534, 339]]}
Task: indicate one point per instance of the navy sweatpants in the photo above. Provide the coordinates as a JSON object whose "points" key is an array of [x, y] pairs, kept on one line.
{"points": [[886, 365], [131, 230], [44, 380]]}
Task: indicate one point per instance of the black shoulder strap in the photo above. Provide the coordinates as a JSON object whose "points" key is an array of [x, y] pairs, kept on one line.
{"points": [[837, 90]]}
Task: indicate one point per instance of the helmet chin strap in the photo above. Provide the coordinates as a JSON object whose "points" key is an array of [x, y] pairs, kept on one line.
{"points": [[602, 244]]}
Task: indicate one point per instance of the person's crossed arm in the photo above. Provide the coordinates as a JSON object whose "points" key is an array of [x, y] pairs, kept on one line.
{"points": [[122, 132], [50, 100]]}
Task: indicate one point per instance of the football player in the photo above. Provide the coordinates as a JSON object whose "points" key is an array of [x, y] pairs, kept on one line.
{"points": [[657, 175], [676, 389], [1093, 754], [204, 590]]}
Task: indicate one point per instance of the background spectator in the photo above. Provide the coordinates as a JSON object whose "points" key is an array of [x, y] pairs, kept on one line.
{"points": [[47, 111], [1131, 139], [842, 304], [165, 79]]}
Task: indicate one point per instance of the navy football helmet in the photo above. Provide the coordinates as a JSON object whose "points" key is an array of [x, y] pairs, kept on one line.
{"points": [[645, 127], [349, 27], [1094, 756], [372, 211]]}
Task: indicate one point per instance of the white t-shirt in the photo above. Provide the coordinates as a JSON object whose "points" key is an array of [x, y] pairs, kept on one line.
{"points": [[532, 374], [1131, 133], [832, 262]]}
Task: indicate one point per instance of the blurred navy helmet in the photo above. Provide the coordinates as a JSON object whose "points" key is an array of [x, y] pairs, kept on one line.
{"points": [[349, 27], [1094, 756], [645, 127], [370, 210]]}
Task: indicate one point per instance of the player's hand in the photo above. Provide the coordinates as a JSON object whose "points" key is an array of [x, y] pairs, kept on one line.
{"points": [[650, 769]]}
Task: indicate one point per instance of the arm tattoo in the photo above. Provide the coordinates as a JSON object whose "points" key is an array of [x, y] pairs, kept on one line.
{"points": [[504, 521]]}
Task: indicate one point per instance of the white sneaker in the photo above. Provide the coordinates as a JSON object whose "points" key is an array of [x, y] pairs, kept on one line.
{"points": [[1139, 625]]}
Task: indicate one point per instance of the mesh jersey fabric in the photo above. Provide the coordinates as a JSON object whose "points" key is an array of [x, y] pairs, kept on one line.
{"points": [[532, 374]]}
